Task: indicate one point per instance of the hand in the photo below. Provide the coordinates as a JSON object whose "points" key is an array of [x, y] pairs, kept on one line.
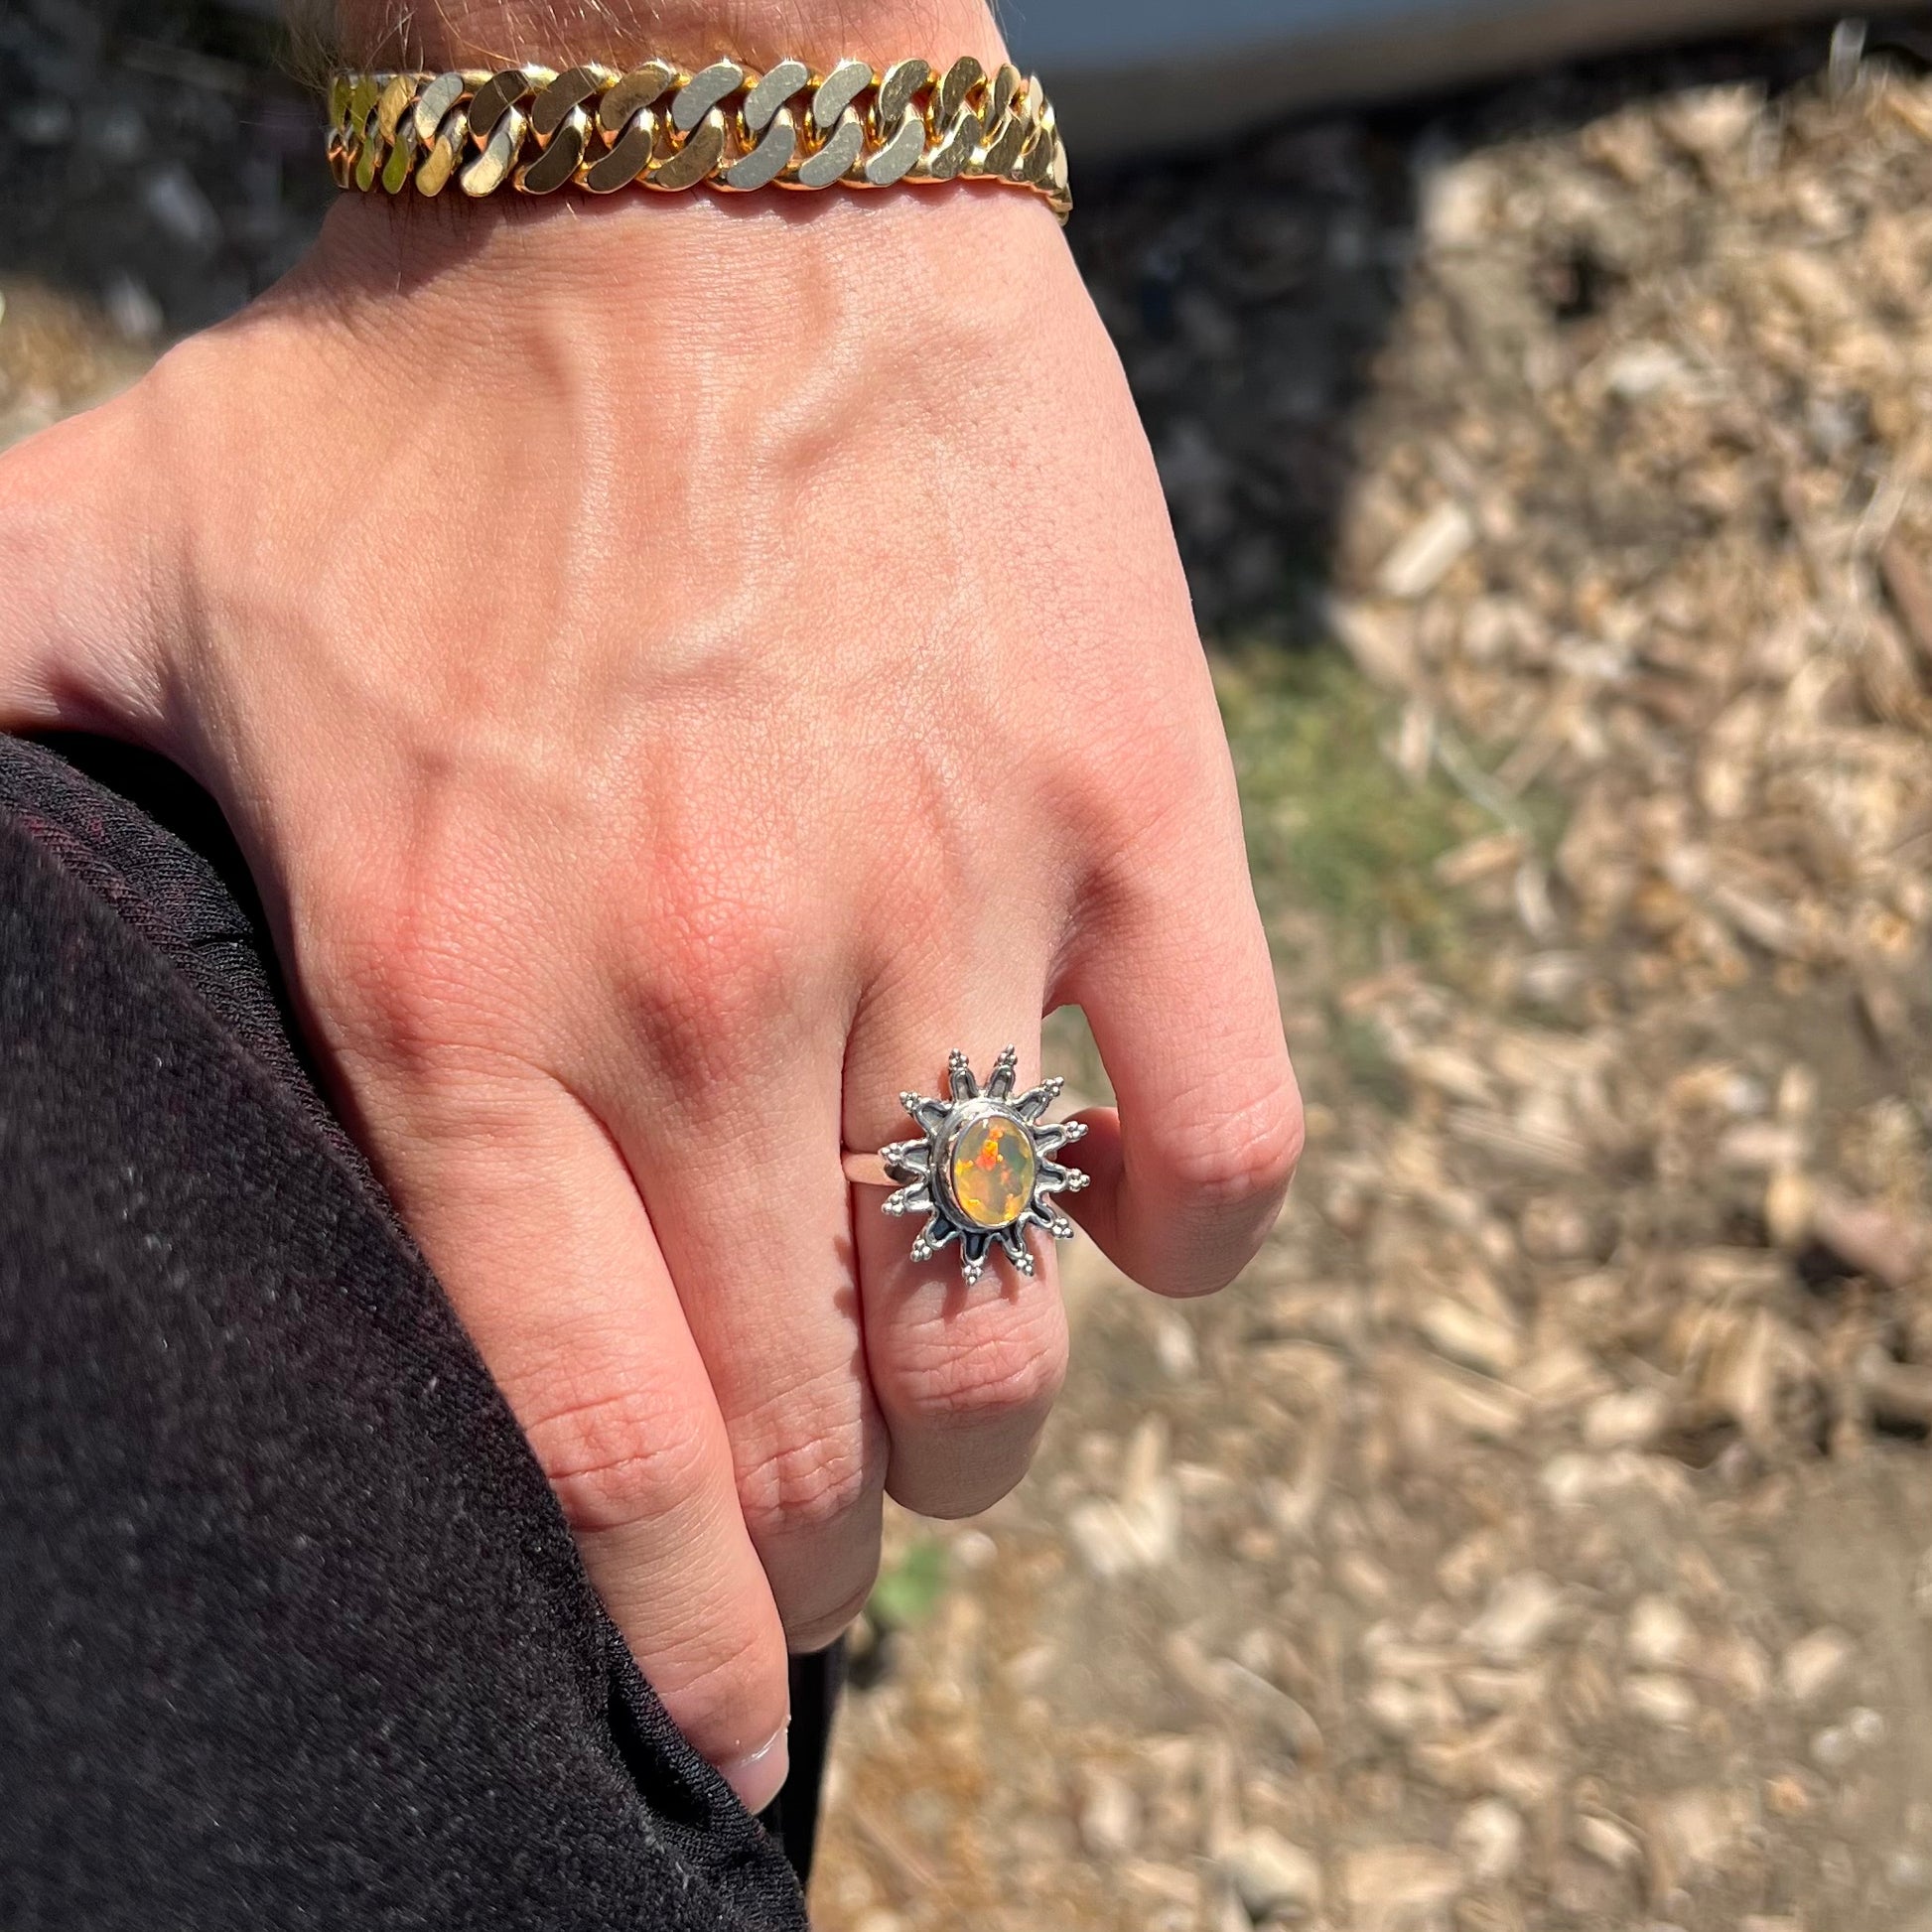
{"points": [[677, 669]]}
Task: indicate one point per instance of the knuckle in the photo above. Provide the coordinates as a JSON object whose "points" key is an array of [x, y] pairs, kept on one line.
{"points": [[410, 960], [815, 1492], [972, 1373], [1241, 1158], [712, 961], [1146, 789], [617, 1461], [725, 973], [812, 1486]]}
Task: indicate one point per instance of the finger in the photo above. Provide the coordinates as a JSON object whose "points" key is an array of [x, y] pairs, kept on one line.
{"points": [[526, 1210], [965, 1373], [90, 574], [734, 1138], [1171, 968]]}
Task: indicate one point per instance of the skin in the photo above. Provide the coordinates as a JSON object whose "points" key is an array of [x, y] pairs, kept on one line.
{"points": [[677, 666]]}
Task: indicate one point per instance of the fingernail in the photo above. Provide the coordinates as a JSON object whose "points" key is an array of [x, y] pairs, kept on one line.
{"points": [[758, 1775]]}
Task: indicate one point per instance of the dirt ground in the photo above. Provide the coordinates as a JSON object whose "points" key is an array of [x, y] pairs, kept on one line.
{"points": [[1540, 1535]]}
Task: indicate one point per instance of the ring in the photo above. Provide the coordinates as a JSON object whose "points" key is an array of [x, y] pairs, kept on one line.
{"points": [[981, 1172]]}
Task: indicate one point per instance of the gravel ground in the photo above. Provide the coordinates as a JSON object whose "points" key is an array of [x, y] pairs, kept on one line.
{"points": [[1541, 1534]]}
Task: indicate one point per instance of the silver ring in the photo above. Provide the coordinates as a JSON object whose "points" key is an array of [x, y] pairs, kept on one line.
{"points": [[982, 1172]]}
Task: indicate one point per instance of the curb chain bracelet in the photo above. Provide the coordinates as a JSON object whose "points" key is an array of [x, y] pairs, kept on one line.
{"points": [[534, 130]]}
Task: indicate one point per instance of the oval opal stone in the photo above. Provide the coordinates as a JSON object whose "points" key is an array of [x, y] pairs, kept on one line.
{"points": [[993, 1171]]}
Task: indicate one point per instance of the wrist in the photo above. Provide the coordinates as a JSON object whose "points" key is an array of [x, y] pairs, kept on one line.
{"points": [[703, 324], [490, 33], [784, 270]]}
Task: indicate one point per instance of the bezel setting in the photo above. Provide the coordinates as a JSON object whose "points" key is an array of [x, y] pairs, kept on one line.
{"points": [[924, 1167]]}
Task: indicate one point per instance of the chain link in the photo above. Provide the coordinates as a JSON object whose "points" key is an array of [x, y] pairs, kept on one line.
{"points": [[656, 126]]}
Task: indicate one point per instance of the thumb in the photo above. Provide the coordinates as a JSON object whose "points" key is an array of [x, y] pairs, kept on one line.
{"points": [[89, 575]]}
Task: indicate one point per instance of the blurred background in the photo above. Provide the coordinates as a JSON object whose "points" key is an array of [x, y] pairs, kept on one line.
{"points": [[1541, 1534]]}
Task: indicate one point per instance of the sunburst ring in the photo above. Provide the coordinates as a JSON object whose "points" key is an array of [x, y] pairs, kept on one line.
{"points": [[983, 1168]]}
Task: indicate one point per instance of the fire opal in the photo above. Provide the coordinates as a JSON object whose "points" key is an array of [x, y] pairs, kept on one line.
{"points": [[993, 1171]]}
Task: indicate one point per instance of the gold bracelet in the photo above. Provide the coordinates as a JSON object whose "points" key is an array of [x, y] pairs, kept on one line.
{"points": [[656, 126]]}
